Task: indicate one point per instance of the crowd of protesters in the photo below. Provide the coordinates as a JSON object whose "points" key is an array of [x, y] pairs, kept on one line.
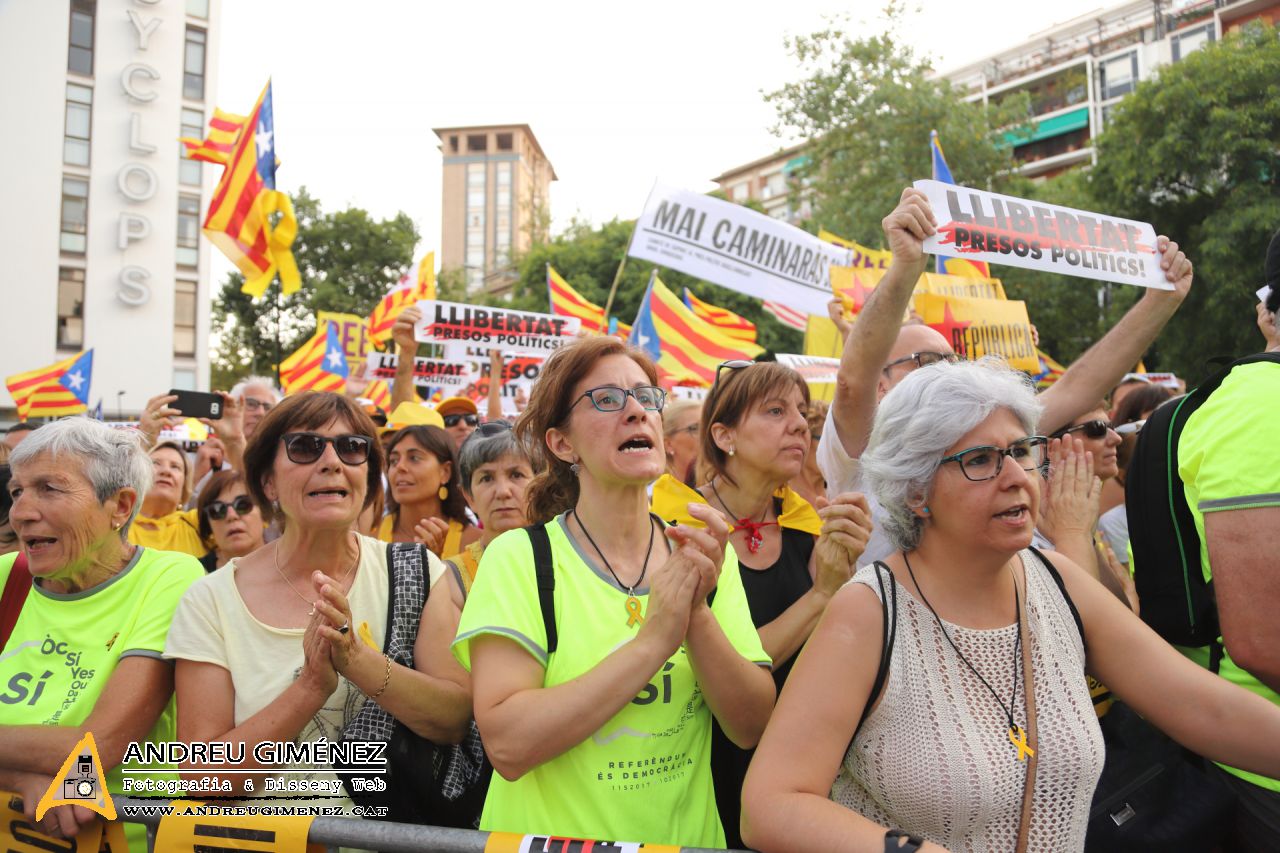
{"points": [[888, 623]]}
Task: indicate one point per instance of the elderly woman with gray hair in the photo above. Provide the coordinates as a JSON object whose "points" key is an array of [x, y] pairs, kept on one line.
{"points": [[84, 654], [941, 703]]}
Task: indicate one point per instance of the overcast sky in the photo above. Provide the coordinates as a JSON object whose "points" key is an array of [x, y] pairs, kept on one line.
{"points": [[618, 94]]}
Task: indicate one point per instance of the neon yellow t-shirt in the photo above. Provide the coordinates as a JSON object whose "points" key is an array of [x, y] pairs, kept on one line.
{"points": [[65, 647], [177, 531], [646, 774], [1221, 469]]}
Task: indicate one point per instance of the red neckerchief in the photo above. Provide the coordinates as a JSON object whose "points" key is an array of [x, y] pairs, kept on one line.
{"points": [[754, 538]]}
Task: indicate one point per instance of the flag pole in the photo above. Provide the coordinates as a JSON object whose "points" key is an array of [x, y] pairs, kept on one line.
{"points": [[617, 277], [277, 300]]}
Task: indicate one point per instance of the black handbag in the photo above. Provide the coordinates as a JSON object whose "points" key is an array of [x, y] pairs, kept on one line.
{"points": [[425, 782], [1153, 794]]}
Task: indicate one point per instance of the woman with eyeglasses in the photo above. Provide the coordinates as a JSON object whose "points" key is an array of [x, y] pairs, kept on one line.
{"points": [[229, 519], [941, 702], [793, 559], [494, 469], [424, 494], [680, 438], [290, 642], [597, 666]]}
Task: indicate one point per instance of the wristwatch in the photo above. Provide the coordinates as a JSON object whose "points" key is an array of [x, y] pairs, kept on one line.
{"points": [[893, 844]]}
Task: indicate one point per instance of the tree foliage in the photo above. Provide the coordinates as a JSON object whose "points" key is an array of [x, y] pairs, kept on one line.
{"points": [[866, 105], [348, 260], [588, 257], [1194, 151]]}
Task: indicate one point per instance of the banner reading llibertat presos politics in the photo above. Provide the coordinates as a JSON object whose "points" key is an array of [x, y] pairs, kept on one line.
{"points": [[735, 247], [524, 332], [1001, 229]]}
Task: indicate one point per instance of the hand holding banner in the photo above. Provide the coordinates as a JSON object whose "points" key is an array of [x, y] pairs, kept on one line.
{"points": [[513, 331], [1000, 229]]}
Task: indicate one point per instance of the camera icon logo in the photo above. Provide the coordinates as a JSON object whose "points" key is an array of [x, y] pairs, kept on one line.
{"points": [[79, 782], [84, 784]]}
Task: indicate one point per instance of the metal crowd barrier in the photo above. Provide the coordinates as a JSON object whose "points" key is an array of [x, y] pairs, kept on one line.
{"points": [[335, 832]]}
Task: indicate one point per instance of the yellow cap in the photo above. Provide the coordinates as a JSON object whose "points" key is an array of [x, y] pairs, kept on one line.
{"points": [[414, 414], [450, 405]]}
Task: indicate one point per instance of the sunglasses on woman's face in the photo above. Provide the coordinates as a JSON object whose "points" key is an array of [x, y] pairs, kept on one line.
{"points": [[452, 420], [303, 448], [1092, 429], [217, 510]]}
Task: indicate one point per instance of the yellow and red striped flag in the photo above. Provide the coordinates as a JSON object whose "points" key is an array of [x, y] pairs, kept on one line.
{"points": [[686, 348], [318, 365], [735, 326], [403, 294], [218, 145], [567, 302], [379, 393], [59, 389], [239, 217]]}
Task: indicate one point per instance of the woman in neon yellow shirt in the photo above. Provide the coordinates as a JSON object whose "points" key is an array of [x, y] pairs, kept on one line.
{"points": [[605, 732]]}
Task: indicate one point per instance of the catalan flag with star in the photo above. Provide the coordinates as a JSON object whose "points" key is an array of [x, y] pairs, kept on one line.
{"points": [[53, 391], [942, 172], [733, 325], [686, 348], [567, 302], [318, 365], [403, 294], [239, 218]]}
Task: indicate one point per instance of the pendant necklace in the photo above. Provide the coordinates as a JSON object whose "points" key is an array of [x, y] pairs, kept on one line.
{"points": [[1017, 735], [635, 612], [754, 537]]}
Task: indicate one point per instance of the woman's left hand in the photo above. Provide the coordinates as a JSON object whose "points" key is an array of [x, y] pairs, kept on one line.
{"points": [[336, 626], [711, 541], [1070, 504], [846, 528]]}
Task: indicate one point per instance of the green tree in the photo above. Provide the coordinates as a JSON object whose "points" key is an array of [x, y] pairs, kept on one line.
{"points": [[347, 260], [866, 105], [1194, 151], [588, 257]]}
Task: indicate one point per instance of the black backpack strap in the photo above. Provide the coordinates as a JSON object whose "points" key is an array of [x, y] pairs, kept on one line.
{"points": [[888, 602], [1062, 588], [546, 572]]}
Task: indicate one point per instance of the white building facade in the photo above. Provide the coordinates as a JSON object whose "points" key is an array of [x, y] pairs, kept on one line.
{"points": [[100, 225]]}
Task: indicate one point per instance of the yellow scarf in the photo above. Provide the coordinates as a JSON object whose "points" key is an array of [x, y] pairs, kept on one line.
{"points": [[671, 499]]}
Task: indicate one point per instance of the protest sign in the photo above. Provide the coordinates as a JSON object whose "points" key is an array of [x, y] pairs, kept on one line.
{"points": [[735, 247], [1000, 229], [978, 327], [433, 372], [523, 332], [814, 369], [863, 258], [353, 335], [964, 286]]}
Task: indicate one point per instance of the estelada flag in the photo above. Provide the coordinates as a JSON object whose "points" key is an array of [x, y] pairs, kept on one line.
{"points": [[685, 348], [568, 302], [733, 325], [942, 172], [59, 389], [403, 294], [318, 365], [239, 217], [978, 327], [218, 146]]}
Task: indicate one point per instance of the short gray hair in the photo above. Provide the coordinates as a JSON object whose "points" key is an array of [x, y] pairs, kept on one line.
{"points": [[480, 449], [920, 418], [110, 458], [243, 384]]}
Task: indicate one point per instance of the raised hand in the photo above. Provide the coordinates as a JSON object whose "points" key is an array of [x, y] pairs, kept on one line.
{"points": [[157, 416], [431, 532], [710, 542], [1070, 505], [402, 329], [907, 226], [846, 528]]}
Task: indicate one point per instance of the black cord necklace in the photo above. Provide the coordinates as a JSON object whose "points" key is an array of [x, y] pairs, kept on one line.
{"points": [[1017, 736], [754, 537], [635, 613]]}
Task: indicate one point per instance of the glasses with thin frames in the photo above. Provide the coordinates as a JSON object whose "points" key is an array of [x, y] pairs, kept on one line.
{"points": [[253, 404], [492, 428], [611, 398], [470, 419], [733, 364], [1093, 429], [923, 359], [303, 448], [217, 510], [985, 461]]}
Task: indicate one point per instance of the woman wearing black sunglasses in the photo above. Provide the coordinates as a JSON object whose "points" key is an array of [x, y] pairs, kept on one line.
{"points": [[286, 643], [229, 519]]}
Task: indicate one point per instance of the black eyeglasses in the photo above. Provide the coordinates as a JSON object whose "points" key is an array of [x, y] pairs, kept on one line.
{"points": [[611, 398], [492, 428], [985, 461], [735, 364], [217, 510], [303, 448], [1093, 429], [923, 359], [452, 420]]}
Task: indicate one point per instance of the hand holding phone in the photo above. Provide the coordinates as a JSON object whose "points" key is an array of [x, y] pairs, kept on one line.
{"points": [[197, 404]]}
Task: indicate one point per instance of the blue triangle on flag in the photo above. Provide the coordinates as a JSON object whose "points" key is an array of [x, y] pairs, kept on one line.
{"points": [[78, 376]]}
